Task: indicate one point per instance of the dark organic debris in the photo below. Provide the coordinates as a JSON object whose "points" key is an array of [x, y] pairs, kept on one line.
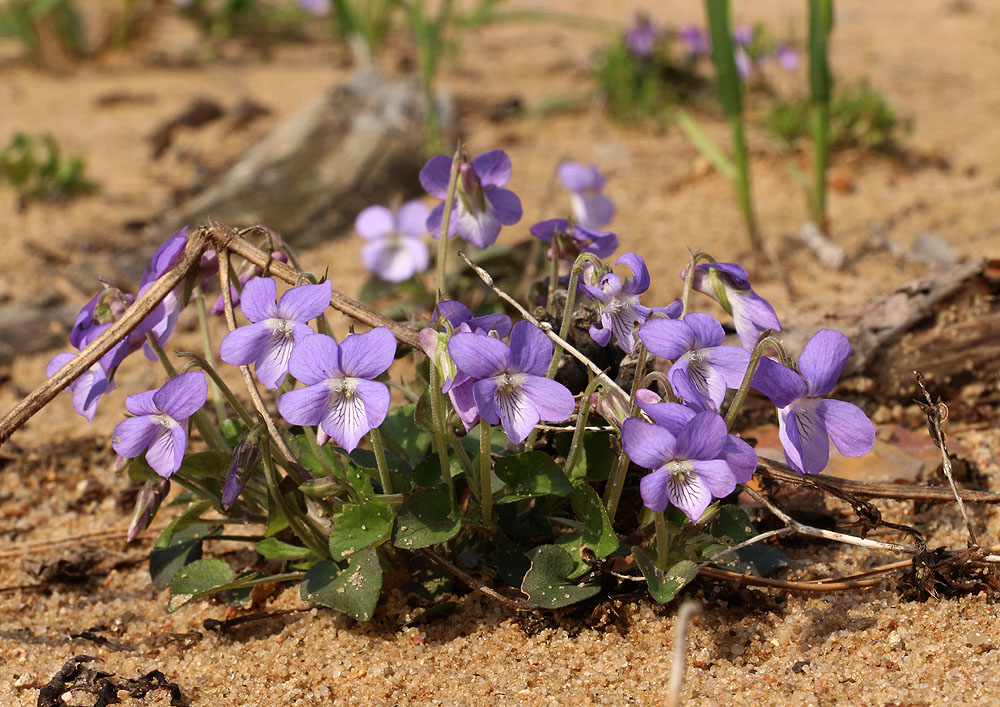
{"points": [[199, 112], [942, 572], [68, 567], [74, 677]]}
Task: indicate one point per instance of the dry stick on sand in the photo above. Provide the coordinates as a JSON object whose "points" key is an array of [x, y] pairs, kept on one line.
{"points": [[688, 609]]}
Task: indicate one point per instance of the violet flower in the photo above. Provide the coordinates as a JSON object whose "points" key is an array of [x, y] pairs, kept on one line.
{"points": [[88, 387], [729, 285], [481, 205], [511, 388], [805, 419], [395, 251], [640, 37], [787, 58], [340, 396], [316, 8], [163, 320], [455, 382], [689, 459], [703, 368], [276, 327], [244, 274], [620, 308], [695, 40], [159, 427], [589, 207], [571, 241]]}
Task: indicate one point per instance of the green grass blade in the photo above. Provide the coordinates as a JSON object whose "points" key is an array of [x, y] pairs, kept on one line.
{"points": [[724, 58], [706, 145]]}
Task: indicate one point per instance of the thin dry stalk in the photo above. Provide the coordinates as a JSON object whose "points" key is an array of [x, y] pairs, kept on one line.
{"points": [[688, 609]]}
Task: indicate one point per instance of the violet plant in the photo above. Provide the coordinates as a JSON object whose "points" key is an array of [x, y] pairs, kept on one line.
{"points": [[485, 451]]}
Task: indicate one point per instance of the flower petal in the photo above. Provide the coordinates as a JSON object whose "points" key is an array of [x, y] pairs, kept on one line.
{"points": [[434, 221], [653, 489], [500, 323], [375, 222], [411, 219], [517, 413], [690, 493], [376, 398], [367, 355], [257, 301], [717, 476], [648, 445], [673, 416], [182, 396], [463, 399], [245, 345], [779, 383], [707, 330], [530, 349], [484, 393], [552, 400], [133, 435], [848, 426], [804, 438], [639, 282], [505, 205], [305, 406], [544, 230], [579, 177], [730, 362], [305, 302], [315, 359], [480, 228], [703, 437], [57, 362], [493, 168], [346, 420], [478, 356], [272, 364], [592, 211], [740, 457], [698, 384], [667, 338], [823, 360], [600, 336], [434, 176], [752, 315], [395, 260], [166, 453]]}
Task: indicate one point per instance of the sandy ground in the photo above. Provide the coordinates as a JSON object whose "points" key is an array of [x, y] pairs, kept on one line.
{"points": [[866, 647]]}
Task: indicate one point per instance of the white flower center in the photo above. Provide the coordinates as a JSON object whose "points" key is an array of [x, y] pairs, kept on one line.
{"points": [[280, 328], [680, 470], [165, 421]]}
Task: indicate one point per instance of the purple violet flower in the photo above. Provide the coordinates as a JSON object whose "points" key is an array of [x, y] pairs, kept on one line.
{"points": [[159, 427], [729, 285], [276, 327], [744, 64], [340, 394], [316, 8], [589, 207], [807, 421], [163, 319], [88, 388], [703, 368], [693, 457], [620, 308], [511, 387], [695, 40], [641, 36], [787, 58], [481, 205], [571, 241], [743, 35], [395, 252], [246, 272]]}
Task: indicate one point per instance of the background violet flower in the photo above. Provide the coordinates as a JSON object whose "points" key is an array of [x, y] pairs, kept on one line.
{"points": [[341, 395], [573, 241], [276, 327], [395, 251], [729, 285], [481, 206], [589, 207], [159, 427], [511, 388], [805, 419]]}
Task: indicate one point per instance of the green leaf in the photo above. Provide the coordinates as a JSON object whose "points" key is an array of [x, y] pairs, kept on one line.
{"points": [[188, 517], [428, 471], [206, 465], [197, 579], [425, 519], [598, 533], [185, 547], [354, 590], [531, 474], [403, 437], [663, 586], [359, 526], [723, 56], [545, 582], [275, 549], [708, 148], [731, 525], [757, 560]]}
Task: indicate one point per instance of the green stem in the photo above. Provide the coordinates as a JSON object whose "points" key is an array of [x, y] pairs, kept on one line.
{"points": [[742, 161], [613, 491], [485, 478], [438, 422], [581, 423], [821, 156], [384, 475], [302, 530], [689, 280], [574, 279], [553, 271], [206, 343], [765, 340], [662, 540], [463, 456], [208, 431], [209, 368], [449, 201]]}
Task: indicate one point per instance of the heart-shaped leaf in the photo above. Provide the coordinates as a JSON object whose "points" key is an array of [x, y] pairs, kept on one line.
{"points": [[664, 585], [359, 526], [425, 519], [353, 590], [531, 474], [545, 582]]}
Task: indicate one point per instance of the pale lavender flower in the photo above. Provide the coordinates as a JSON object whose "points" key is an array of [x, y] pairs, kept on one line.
{"points": [[88, 388], [695, 40], [511, 388], [729, 285], [341, 396], [246, 272], [159, 427], [703, 368], [316, 8], [395, 251], [481, 205], [246, 457], [689, 458], [620, 308], [163, 319], [744, 64], [571, 241], [806, 421], [276, 327], [588, 206], [743, 35], [641, 37], [787, 58]]}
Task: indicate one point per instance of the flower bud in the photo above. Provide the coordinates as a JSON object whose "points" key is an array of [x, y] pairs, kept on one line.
{"points": [[246, 457], [614, 407], [150, 497]]}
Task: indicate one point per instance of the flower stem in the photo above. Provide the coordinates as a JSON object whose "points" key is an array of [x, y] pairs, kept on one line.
{"points": [[613, 491], [206, 343], [485, 478], [209, 367], [295, 521], [689, 280], [438, 423], [449, 201], [581, 423], [574, 278], [383, 468], [662, 540], [208, 431], [553, 271], [765, 340]]}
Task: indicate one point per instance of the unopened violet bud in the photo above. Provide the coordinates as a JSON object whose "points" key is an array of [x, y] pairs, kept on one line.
{"points": [[614, 407], [246, 457], [148, 501], [111, 305]]}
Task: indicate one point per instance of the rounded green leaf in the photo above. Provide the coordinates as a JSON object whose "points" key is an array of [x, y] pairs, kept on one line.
{"points": [[531, 474], [545, 582], [359, 526], [353, 590], [425, 519]]}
